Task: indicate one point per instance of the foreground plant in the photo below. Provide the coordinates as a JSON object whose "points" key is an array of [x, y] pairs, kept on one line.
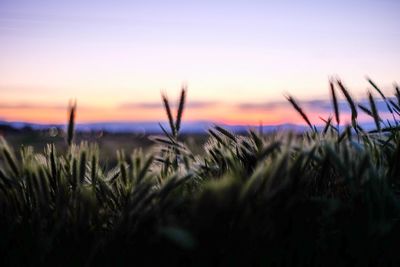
{"points": [[329, 196]]}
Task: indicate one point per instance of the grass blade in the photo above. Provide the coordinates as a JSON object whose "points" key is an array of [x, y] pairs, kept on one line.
{"points": [[180, 109], [300, 111], [335, 102], [71, 123], [349, 99], [374, 111], [169, 114]]}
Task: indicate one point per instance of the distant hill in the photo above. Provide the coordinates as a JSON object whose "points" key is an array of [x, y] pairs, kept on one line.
{"points": [[145, 127]]}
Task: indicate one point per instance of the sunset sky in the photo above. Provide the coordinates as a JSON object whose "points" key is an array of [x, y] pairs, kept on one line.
{"points": [[238, 58]]}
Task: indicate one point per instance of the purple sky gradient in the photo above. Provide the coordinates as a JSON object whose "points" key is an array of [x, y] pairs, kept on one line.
{"points": [[107, 53]]}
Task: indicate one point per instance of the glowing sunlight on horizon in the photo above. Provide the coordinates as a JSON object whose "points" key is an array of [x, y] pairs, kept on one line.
{"points": [[238, 58]]}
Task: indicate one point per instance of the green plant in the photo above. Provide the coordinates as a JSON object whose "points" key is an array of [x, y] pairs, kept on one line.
{"points": [[328, 196]]}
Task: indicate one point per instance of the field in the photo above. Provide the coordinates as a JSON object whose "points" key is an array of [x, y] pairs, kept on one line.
{"points": [[329, 197], [107, 142]]}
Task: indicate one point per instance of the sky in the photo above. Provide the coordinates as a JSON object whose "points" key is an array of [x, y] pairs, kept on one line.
{"points": [[238, 58]]}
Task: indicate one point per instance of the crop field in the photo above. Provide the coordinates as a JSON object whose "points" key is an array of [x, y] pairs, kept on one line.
{"points": [[329, 197], [107, 142]]}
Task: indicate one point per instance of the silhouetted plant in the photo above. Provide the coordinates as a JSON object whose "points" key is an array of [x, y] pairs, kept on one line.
{"points": [[326, 197]]}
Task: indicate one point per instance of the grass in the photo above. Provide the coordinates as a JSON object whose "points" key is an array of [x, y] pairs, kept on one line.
{"points": [[327, 198]]}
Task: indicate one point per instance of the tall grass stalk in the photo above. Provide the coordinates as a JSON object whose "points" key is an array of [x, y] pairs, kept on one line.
{"points": [[317, 198]]}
